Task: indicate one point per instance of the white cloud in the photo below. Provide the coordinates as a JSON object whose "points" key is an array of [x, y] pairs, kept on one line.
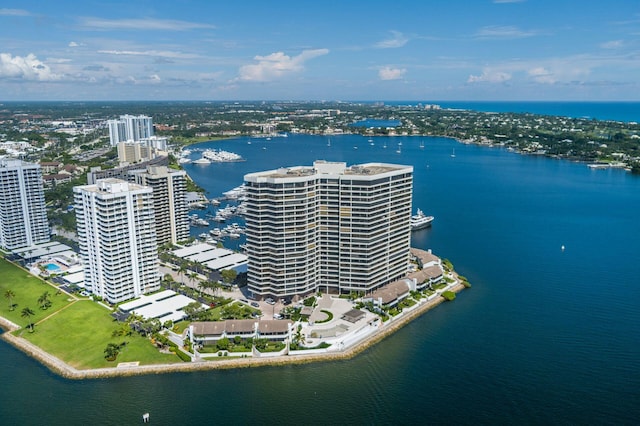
{"points": [[504, 32], [490, 76], [99, 24], [58, 60], [508, 1], [397, 40], [156, 53], [75, 44], [542, 75], [14, 12], [388, 73], [155, 78], [277, 65], [613, 44], [26, 68]]}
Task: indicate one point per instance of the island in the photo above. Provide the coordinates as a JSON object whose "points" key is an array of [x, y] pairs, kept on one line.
{"points": [[77, 337]]}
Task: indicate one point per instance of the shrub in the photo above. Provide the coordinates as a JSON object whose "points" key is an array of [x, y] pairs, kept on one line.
{"points": [[329, 317], [449, 295], [184, 357]]}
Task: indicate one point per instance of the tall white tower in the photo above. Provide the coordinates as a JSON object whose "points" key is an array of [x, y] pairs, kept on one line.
{"points": [[23, 217], [117, 131], [117, 236], [169, 201], [130, 128]]}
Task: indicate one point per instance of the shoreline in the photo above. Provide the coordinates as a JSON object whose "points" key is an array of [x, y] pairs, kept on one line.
{"points": [[66, 371]]}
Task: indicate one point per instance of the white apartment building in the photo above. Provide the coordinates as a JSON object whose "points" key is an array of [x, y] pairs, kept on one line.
{"points": [[117, 238], [134, 152], [130, 128], [329, 228], [169, 202], [23, 217], [117, 131], [143, 150]]}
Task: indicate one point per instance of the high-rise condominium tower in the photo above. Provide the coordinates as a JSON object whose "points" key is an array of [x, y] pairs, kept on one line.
{"points": [[117, 236], [130, 128], [169, 202], [328, 227], [23, 217]]}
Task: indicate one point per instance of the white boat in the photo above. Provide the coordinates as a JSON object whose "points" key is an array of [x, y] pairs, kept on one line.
{"points": [[421, 144], [453, 154], [420, 221], [220, 156], [202, 161], [184, 160]]}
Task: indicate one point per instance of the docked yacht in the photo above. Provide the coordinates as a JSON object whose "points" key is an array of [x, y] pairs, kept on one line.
{"points": [[420, 221]]}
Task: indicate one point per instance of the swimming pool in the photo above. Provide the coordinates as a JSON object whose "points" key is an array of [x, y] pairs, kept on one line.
{"points": [[52, 267]]}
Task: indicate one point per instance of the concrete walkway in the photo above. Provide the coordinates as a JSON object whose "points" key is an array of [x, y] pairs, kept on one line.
{"points": [[324, 303]]}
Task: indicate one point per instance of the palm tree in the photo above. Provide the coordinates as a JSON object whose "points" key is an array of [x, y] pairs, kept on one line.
{"points": [[111, 351], [181, 270], [216, 287], [168, 281], [202, 285], [28, 313], [9, 295], [44, 301], [193, 276]]}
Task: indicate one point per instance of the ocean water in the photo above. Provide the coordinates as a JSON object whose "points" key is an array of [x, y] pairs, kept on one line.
{"points": [[545, 336]]}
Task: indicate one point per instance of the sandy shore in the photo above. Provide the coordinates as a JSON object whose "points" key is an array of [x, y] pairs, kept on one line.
{"points": [[59, 367]]}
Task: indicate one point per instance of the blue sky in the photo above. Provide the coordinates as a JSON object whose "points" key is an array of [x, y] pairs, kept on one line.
{"points": [[320, 50]]}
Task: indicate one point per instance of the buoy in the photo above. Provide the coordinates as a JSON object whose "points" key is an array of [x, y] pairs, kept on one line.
{"points": [[145, 418]]}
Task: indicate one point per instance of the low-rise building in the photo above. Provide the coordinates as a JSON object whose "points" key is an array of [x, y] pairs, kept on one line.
{"points": [[208, 333]]}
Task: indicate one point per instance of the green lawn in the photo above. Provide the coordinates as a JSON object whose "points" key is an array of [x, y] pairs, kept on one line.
{"points": [[27, 289], [77, 334]]}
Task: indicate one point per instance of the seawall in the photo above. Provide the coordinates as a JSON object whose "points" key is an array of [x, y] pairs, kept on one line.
{"points": [[61, 368]]}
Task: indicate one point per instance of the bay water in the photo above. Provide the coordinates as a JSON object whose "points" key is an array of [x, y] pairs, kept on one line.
{"points": [[544, 336]]}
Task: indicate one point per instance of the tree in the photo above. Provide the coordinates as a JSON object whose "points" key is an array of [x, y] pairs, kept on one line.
{"points": [[261, 344], [168, 280], [182, 268], [193, 276], [44, 301], [299, 339], [223, 344], [111, 351], [28, 313], [192, 309], [228, 275], [9, 295], [215, 286], [203, 285], [124, 329]]}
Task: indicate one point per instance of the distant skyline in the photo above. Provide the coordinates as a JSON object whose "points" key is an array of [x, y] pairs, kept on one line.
{"points": [[508, 50]]}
